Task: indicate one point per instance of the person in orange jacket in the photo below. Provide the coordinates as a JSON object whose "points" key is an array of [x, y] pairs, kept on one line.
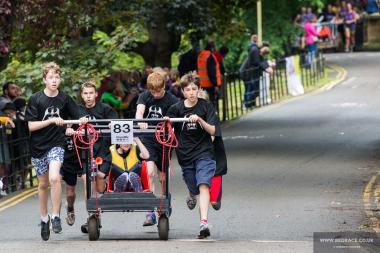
{"points": [[209, 72]]}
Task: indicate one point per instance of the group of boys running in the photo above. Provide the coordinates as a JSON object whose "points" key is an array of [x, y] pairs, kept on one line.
{"points": [[200, 151]]}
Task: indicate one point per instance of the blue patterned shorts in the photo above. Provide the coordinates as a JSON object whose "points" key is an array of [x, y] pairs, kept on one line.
{"points": [[41, 164]]}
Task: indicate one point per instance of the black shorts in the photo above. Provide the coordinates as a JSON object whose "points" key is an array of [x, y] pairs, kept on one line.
{"points": [[70, 172], [155, 152]]}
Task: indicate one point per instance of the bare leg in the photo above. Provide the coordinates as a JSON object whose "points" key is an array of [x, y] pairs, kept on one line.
{"points": [[55, 183], [70, 196], [151, 167], [100, 182], [204, 201], [161, 177], [347, 34], [85, 186], [43, 187]]}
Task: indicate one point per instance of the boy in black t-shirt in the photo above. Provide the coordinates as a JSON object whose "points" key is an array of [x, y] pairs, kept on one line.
{"points": [[45, 113], [71, 169], [153, 103], [195, 149]]}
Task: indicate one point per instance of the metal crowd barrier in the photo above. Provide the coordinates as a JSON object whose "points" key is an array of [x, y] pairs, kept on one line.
{"points": [[15, 168], [271, 88]]}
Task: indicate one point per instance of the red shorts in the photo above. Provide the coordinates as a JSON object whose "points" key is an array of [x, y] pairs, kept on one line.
{"points": [[216, 189]]}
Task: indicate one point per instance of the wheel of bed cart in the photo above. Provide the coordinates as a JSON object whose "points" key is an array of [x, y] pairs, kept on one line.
{"points": [[93, 228], [163, 227]]}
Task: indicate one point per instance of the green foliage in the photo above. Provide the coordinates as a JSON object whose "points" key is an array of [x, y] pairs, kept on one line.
{"points": [[91, 38]]}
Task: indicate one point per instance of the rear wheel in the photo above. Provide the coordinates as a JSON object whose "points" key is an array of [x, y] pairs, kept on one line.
{"points": [[93, 228], [163, 227]]}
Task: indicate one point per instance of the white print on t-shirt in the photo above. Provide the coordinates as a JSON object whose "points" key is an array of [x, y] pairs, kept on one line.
{"points": [[154, 112], [89, 117], [51, 112], [70, 144], [190, 125]]}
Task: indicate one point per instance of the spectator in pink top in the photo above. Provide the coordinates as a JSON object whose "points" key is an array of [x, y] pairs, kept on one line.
{"points": [[311, 41]]}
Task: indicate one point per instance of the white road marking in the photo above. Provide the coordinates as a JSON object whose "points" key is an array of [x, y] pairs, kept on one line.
{"points": [[349, 105], [244, 137], [264, 241]]}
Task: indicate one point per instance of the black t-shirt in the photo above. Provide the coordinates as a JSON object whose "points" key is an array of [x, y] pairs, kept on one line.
{"points": [[155, 108], [100, 111], [194, 141], [42, 107]]}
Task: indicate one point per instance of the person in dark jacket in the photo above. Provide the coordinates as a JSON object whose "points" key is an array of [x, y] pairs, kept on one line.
{"points": [[256, 64], [188, 60]]}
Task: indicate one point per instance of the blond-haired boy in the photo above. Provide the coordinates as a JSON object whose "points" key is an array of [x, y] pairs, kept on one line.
{"points": [[153, 103]]}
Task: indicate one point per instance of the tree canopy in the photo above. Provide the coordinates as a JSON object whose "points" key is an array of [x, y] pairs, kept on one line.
{"points": [[89, 38]]}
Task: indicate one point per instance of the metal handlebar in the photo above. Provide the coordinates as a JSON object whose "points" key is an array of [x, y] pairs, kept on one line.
{"points": [[77, 121]]}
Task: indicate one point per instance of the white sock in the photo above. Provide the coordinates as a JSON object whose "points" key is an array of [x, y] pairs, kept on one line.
{"points": [[45, 218], [53, 215]]}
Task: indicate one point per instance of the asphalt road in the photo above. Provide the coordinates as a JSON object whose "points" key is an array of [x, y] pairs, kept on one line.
{"points": [[295, 168]]}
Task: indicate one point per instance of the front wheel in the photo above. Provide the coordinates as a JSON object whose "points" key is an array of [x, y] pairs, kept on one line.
{"points": [[163, 227]]}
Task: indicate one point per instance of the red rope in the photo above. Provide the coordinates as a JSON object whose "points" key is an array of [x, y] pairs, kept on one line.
{"points": [[92, 136], [166, 137]]}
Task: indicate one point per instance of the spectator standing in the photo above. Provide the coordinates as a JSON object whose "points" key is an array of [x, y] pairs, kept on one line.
{"points": [[311, 35], [349, 28], [220, 54], [372, 6], [209, 72], [256, 64], [188, 60], [147, 71], [10, 93], [8, 112], [173, 84], [21, 146], [329, 14]]}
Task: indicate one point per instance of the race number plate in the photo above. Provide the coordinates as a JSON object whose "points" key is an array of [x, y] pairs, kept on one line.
{"points": [[122, 132]]}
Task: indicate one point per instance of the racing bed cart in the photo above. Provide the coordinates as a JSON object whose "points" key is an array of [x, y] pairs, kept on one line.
{"points": [[110, 201]]}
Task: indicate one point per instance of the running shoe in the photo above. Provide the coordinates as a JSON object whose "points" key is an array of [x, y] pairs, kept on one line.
{"points": [[191, 202], [45, 229], [84, 228], [56, 225], [150, 219], [70, 218], [216, 205], [204, 231]]}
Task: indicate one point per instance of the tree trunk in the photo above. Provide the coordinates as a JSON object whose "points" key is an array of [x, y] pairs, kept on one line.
{"points": [[162, 43]]}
